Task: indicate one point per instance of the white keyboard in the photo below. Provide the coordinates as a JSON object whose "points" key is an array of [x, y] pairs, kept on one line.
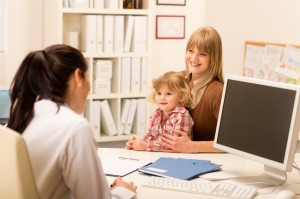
{"points": [[200, 187]]}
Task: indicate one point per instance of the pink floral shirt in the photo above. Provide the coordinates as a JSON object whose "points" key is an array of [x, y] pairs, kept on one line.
{"points": [[178, 119]]}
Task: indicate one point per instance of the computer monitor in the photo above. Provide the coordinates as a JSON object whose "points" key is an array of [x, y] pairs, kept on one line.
{"points": [[260, 120], [4, 105]]}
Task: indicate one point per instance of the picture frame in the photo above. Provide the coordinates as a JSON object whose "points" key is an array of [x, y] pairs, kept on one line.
{"points": [[171, 2], [170, 27]]}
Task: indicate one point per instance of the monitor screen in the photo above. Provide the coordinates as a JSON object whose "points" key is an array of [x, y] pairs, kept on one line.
{"points": [[4, 105], [259, 120]]}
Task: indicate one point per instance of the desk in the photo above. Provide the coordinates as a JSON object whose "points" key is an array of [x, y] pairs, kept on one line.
{"points": [[230, 163]]}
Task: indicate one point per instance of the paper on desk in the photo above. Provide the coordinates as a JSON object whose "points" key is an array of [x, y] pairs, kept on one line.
{"points": [[121, 166]]}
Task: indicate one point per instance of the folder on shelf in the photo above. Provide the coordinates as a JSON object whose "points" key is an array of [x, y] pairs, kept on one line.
{"points": [[135, 74], [125, 74], [111, 4], [99, 4], [180, 168], [144, 73], [99, 34], [81, 3], [118, 33], [108, 22], [121, 166], [108, 125], [139, 35], [92, 113], [124, 114], [130, 117], [129, 20], [139, 122], [88, 33]]}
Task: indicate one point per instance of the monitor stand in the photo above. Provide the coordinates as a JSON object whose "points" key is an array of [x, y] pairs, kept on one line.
{"points": [[270, 177]]}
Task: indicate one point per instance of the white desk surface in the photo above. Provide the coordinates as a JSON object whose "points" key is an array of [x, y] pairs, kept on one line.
{"points": [[230, 163]]}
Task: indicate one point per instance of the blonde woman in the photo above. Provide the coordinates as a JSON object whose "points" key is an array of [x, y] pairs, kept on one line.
{"points": [[204, 69]]}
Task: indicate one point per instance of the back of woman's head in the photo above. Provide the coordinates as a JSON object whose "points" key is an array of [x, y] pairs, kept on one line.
{"points": [[208, 40], [174, 81], [43, 74]]}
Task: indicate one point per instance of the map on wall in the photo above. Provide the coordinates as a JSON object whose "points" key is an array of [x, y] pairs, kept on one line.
{"points": [[276, 62]]}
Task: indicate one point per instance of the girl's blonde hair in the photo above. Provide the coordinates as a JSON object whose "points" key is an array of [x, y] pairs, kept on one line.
{"points": [[175, 82], [207, 39]]}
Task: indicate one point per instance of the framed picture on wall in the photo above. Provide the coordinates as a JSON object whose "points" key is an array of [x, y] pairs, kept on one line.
{"points": [[170, 27], [171, 2]]}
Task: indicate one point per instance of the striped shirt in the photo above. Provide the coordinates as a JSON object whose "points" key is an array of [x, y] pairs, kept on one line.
{"points": [[178, 119]]}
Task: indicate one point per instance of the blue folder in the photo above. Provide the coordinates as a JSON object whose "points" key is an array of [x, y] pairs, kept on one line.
{"points": [[180, 168]]}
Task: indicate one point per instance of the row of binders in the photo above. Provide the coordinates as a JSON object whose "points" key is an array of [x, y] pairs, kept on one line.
{"points": [[102, 76], [110, 34], [133, 117], [98, 4], [133, 75]]}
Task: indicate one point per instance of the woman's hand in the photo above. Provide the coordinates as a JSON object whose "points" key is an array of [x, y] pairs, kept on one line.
{"points": [[180, 143], [127, 185]]}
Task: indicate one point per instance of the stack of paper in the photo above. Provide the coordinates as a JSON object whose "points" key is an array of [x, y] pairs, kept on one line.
{"points": [[121, 166], [179, 168]]}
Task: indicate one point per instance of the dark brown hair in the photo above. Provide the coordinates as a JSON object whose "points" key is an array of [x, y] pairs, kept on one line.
{"points": [[43, 74]]}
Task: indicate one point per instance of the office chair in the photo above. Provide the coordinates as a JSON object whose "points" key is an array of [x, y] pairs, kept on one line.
{"points": [[16, 176]]}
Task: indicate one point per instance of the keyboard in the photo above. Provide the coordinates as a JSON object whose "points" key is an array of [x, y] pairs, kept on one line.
{"points": [[200, 187]]}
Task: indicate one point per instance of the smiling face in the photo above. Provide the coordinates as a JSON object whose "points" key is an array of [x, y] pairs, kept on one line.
{"points": [[198, 62], [166, 99]]}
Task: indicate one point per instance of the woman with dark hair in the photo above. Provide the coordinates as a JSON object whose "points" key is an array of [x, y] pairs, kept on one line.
{"points": [[48, 94]]}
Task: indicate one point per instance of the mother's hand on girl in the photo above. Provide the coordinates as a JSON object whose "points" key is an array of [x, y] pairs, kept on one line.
{"points": [[180, 143]]}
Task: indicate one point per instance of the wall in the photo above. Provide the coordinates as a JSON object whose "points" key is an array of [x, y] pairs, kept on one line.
{"points": [[24, 34], [236, 20], [275, 21]]}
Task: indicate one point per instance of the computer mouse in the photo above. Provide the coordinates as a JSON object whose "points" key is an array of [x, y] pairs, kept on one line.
{"points": [[285, 194]]}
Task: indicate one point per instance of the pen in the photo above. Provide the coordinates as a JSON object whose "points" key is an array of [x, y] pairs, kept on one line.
{"points": [[124, 158]]}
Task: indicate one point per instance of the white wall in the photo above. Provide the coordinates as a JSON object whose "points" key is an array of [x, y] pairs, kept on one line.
{"points": [[24, 34], [275, 21]]}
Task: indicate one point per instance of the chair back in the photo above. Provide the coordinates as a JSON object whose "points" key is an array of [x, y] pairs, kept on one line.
{"points": [[16, 177]]}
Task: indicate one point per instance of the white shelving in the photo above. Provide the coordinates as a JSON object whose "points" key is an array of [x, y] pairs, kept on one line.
{"points": [[58, 20]]}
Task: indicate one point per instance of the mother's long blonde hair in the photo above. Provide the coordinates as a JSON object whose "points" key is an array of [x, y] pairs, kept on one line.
{"points": [[207, 39]]}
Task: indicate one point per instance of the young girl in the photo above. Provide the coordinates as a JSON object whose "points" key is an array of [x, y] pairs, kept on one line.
{"points": [[171, 93]]}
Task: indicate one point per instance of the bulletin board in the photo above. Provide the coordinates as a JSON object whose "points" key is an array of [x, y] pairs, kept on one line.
{"points": [[272, 61]]}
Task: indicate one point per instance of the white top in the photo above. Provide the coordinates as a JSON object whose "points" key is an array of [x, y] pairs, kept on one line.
{"points": [[64, 156]]}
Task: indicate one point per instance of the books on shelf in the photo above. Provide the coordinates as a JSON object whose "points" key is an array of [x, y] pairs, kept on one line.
{"points": [[118, 33], [125, 74], [108, 22], [88, 33], [180, 168], [129, 20], [139, 122], [124, 114], [130, 117], [144, 73], [99, 34], [135, 75], [92, 112], [99, 4], [139, 35], [108, 125]]}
